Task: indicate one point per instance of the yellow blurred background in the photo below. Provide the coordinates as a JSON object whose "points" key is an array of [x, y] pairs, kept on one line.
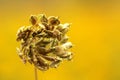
{"points": [[95, 33]]}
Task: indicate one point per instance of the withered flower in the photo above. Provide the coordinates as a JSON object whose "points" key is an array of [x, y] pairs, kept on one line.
{"points": [[44, 43]]}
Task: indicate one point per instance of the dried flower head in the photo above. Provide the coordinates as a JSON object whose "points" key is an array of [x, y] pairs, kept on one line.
{"points": [[44, 43]]}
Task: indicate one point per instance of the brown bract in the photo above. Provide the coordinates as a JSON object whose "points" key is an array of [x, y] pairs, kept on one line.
{"points": [[44, 43]]}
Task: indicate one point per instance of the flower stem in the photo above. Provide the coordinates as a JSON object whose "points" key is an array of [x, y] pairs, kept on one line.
{"points": [[35, 72]]}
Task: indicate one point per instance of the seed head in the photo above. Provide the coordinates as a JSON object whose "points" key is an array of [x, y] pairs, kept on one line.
{"points": [[44, 43]]}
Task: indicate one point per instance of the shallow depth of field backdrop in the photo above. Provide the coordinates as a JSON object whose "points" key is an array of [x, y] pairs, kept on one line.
{"points": [[95, 33]]}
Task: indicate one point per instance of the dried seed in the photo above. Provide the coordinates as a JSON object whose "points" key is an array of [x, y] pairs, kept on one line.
{"points": [[66, 55], [46, 40], [33, 19], [67, 45], [42, 18], [42, 60], [64, 39], [49, 58], [30, 60], [53, 21], [55, 64], [41, 50], [63, 28], [54, 43], [46, 26]]}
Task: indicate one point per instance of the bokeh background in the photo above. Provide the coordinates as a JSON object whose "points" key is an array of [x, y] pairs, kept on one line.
{"points": [[95, 33]]}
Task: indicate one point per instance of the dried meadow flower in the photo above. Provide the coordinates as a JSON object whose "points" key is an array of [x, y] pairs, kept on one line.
{"points": [[44, 43]]}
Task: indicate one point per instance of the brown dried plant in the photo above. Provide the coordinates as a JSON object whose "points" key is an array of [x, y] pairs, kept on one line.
{"points": [[44, 43]]}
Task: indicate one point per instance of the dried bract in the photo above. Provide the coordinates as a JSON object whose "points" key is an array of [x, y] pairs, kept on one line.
{"points": [[44, 43]]}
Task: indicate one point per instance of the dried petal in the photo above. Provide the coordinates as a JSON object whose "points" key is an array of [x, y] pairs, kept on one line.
{"points": [[42, 18], [67, 45], [53, 20], [33, 19], [55, 64], [64, 39], [49, 58]]}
